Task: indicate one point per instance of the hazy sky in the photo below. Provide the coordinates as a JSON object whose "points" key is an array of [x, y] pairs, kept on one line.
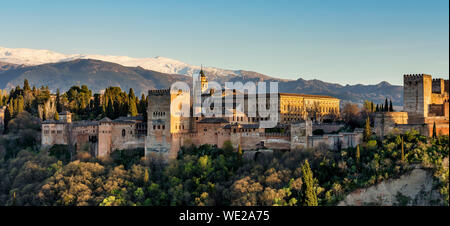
{"points": [[336, 41]]}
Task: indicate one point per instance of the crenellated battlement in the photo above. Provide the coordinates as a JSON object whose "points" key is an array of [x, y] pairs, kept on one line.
{"points": [[159, 92], [414, 77]]}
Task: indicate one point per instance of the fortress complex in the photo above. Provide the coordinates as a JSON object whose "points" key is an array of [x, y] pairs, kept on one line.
{"points": [[425, 105], [162, 133]]}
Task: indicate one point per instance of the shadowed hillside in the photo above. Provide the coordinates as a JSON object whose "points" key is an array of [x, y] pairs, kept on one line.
{"points": [[98, 75]]}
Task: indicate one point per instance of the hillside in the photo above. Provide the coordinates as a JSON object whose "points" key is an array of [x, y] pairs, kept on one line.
{"points": [[99, 75]]}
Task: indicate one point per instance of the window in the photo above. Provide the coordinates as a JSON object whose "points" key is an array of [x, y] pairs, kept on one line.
{"points": [[123, 133]]}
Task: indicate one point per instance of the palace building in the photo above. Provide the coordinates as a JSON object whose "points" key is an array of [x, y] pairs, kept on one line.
{"points": [[164, 134]]}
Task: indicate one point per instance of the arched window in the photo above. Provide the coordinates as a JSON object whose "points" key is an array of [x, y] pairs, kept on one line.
{"points": [[123, 132]]}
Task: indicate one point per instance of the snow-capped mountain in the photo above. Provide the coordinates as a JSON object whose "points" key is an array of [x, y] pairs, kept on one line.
{"points": [[61, 71], [159, 64]]}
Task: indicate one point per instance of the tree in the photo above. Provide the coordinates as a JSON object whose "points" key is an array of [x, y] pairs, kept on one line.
{"points": [[58, 101], [44, 114], [227, 147], [20, 106], [146, 177], [367, 130], [8, 116], [386, 105], [131, 94], [56, 116], [132, 109], [434, 130], [240, 151], [391, 108], [358, 154], [403, 151], [310, 196], [26, 86], [351, 115]]}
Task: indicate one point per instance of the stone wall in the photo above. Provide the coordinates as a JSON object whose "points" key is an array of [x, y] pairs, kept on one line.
{"points": [[385, 122], [327, 127], [335, 141], [300, 133], [54, 134]]}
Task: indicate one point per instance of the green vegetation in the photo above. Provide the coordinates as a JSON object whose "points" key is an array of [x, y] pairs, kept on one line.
{"points": [[206, 175], [199, 176], [78, 100]]}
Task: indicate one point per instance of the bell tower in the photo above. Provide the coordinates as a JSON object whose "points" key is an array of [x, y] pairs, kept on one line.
{"points": [[203, 81]]}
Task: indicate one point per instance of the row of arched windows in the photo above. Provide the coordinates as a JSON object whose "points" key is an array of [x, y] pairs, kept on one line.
{"points": [[159, 127], [156, 114]]}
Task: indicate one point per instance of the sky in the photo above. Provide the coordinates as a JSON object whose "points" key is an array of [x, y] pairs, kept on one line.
{"points": [[345, 41]]}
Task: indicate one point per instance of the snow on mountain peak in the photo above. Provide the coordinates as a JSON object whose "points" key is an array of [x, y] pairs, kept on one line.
{"points": [[158, 63]]}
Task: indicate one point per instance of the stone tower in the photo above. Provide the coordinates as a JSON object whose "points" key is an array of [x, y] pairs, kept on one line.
{"points": [[158, 137], [417, 96], [199, 87], [203, 81]]}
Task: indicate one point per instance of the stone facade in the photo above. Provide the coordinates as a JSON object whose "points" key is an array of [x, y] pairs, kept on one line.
{"points": [[163, 134], [425, 105], [99, 138]]}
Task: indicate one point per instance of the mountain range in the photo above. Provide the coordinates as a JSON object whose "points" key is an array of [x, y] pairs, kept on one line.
{"points": [[55, 70]]}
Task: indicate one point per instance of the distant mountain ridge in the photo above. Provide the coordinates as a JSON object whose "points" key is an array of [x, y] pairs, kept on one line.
{"points": [[98, 75], [33, 57]]}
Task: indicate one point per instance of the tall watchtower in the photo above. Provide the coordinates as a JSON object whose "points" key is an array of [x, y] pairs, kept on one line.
{"points": [[417, 89], [203, 81], [158, 122]]}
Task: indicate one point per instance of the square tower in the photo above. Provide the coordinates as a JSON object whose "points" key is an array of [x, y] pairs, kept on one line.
{"points": [[158, 138], [417, 91]]}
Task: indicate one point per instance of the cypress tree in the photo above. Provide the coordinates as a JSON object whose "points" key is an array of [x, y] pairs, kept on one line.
{"points": [[434, 130], [44, 113], [26, 86], [131, 94], [110, 109], [391, 108], [14, 104], [310, 196], [132, 110], [20, 105], [403, 151], [358, 154], [146, 177], [367, 130], [386, 105], [8, 116], [377, 108], [142, 104], [58, 101]]}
